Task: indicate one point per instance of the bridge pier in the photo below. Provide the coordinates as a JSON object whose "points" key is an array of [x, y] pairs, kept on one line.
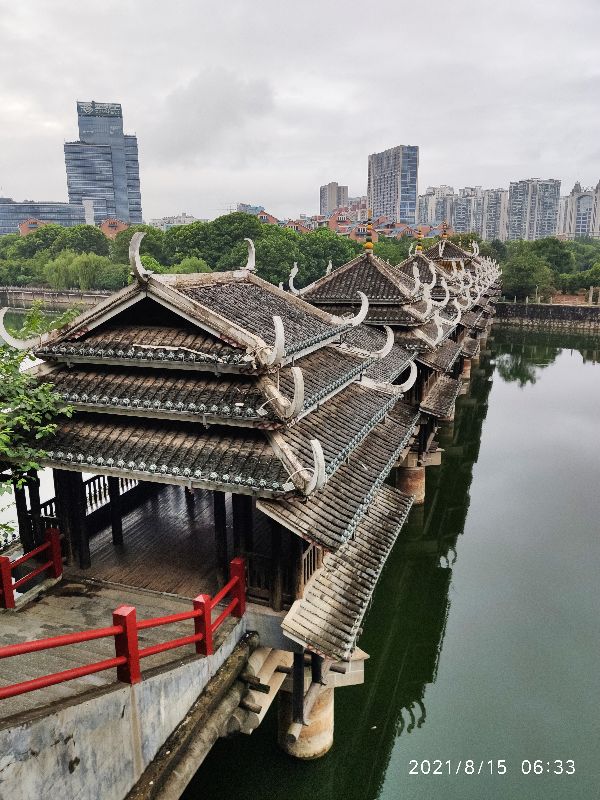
{"points": [[316, 738], [411, 480]]}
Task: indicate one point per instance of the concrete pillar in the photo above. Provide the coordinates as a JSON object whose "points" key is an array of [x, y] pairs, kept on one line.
{"points": [[411, 480], [316, 738], [466, 369]]}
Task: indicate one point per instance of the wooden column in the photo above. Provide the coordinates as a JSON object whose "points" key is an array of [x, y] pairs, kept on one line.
{"points": [[62, 496], [243, 523], [276, 568], [116, 510], [24, 523], [220, 517], [298, 687], [33, 489], [298, 551], [79, 522]]}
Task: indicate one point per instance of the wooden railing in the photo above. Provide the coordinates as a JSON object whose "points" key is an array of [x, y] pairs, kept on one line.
{"points": [[312, 559], [53, 567], [96, 497], [125, 630]]}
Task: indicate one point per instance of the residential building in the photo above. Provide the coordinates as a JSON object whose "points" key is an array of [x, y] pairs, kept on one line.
{"points": [[13, 214], [467, 214], [164, 223], [495, 215], [393, 185], [579, 213], [247, 208], [103, 164], [111, 227], [436, 206], [533, 206], [332, 196]]}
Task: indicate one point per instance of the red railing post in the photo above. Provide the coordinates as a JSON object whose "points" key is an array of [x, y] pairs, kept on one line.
{"points": [[237, 569], [203, 624], [52, 536], [7, 600], [126, 644]]}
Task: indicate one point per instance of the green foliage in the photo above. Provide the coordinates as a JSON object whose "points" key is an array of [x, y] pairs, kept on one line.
{"points": [[393, 250], [80, 239], [525, 272], [555, 253], [112, 276], [60, 272], [276, 251], [28, 408], [41, 239], [190, 264], [183, 241], [152, 244]]}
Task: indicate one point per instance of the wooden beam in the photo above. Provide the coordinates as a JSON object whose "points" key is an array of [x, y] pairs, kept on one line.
{"points": [[116, 510], [62, 494], [80, 528]]}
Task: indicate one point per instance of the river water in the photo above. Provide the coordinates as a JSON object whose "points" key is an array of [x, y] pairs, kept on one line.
{"points": [[484, 632]]}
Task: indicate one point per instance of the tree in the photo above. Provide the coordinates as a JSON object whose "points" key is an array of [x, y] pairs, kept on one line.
{"points": [[227, 231], [28, 408], [190, 264], [316, 248], [498, 250], [113, 276], [60, 272], [555, 253], [523, 273], [393, 250], [182, 241], [88, 267], [81, 239], [41, 239], [152, 244], [276, 252]]}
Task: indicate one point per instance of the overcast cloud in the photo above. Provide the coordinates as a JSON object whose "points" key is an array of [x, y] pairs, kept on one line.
{"points": [[262, 102]]}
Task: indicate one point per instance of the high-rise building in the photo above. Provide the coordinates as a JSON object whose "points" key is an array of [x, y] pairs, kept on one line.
{"points": [[436, 206], [103, 164], [332, 196], [533, 208], [495, 214], [579, 213], [467, 216], [392, 183]]}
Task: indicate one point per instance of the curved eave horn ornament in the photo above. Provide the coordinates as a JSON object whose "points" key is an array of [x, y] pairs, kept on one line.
{"points": [[444, 286], [251, 262], [319, 475], [276, 353], [410, 381], [293, 273], [417, 277], [329, 268], [359, 318], [18, 344], [387, 347], [139, 271], [297, 404], [458, 317]]}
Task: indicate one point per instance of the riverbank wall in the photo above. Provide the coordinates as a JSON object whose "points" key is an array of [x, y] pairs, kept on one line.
{"points": [[25, 297], [548, 316]]}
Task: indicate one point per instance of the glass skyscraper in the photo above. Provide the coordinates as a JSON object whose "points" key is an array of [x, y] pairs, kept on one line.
{"points": [[392, 188], [103, 165], [13, 213]]}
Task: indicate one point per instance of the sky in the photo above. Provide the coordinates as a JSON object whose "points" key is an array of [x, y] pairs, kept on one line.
{"points": [[264, 101]]}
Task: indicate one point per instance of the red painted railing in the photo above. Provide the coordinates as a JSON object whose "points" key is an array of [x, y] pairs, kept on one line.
{"points": [[53, 567], [125, 628]]}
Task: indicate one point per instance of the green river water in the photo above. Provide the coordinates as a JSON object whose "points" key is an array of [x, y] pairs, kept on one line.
{"points": [[484, 632]]}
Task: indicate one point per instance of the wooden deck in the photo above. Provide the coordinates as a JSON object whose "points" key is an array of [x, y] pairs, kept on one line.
{"points": [[169, 546]]}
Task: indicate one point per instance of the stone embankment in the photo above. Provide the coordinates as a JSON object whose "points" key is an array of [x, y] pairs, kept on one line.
{"points": [[25, 297], [549, 315]]}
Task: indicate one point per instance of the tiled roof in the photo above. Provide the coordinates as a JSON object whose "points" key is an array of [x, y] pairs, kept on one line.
{"points": [[441, 398], [331, 516], [162, 392], [368, 274], [449, 252], [328, 618], [390, 367], [155, 345], [325, 370], [469, 347], [235, 457], [379, 314], [340, 425], [443, 357], [252, 306]]}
